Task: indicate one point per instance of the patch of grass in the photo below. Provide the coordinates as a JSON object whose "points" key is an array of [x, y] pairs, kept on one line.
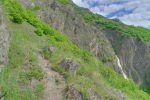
{"points": [[33, 72], [47, 53], [24, 44], [39, 90], [64, 1]]}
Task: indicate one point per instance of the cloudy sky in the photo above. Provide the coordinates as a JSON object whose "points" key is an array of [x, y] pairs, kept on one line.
{"points": [[131, 12]]}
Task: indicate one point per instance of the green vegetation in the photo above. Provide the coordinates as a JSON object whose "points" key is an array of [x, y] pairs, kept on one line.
{"points": [[107, 59], [35, 8], [23, 61], [137, 32], [39, 32], [47, 53], [22, 66], [65, 1]]}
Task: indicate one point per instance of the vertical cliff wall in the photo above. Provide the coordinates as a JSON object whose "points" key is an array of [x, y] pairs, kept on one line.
{"points": [[134, 55]]}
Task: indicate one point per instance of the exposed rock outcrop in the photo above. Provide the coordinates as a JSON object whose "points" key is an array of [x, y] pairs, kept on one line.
{"points": [[73, 94], [93, 95], [70, 65], [4, 40]]}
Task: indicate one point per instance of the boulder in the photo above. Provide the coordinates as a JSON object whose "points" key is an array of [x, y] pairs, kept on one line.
{"points": [[93, 95], [52, 49], [73, 94], [70, 65]]}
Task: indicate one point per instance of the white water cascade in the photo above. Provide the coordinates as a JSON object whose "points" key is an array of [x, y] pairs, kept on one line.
{"points": [[120, 67]]}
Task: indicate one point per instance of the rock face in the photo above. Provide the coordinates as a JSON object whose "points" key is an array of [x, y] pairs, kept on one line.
{"points": [[4, 40], [93, 95], [134, 54], [73, 94], [66, 20], [70, 65]]}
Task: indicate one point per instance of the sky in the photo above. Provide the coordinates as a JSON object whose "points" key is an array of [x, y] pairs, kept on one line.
{"points": [[130, 12]]}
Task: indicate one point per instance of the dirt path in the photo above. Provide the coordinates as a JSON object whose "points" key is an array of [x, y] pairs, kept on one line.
{"points": [[54, 82]]}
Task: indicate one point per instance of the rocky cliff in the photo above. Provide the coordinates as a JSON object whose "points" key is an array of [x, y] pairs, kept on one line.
{"points": [[66, 20], [105, 44], [4, 40], [134, 56]]}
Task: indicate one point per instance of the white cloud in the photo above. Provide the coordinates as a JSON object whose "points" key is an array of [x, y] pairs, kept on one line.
{"points": [[132, 12]]}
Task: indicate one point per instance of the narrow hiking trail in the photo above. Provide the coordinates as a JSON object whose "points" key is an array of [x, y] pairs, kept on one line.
{"points": [[54, 82]]}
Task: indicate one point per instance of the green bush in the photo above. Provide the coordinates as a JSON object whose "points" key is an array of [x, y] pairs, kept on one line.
{"points": [[39, 31], [47, 31], [17, 18], [107, 59], [64, 1]]}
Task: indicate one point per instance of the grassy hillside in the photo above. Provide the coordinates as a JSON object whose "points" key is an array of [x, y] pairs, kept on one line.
{"points": [[24, 47]]}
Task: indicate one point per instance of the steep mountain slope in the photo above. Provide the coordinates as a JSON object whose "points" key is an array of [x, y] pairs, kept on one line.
{"points": [[105, 38], [37, 50], [66, 20]]}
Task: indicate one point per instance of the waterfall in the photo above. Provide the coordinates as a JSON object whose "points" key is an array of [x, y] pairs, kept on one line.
{"points": [[120, 67]]}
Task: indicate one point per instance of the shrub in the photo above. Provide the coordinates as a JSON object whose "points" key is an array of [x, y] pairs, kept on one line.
{"points": [[64, 1], [39, 31], [47, 31], [17, 18], [107, 59]]}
